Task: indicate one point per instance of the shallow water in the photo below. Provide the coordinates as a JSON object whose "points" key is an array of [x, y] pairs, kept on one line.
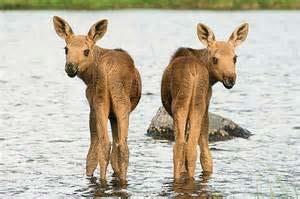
{"points": [[44, 114]]}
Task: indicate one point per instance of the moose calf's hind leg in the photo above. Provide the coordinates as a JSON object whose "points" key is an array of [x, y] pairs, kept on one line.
{"points": [[123, 151], [122, 107], [205, 155], [92, 156], [191, 146], [180, 117], [114, 153], [104, 144], [178, 159], [103, 156]]}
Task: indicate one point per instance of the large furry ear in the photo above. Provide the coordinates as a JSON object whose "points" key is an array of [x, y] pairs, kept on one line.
{"points": [[97, 31], [62, 28], [205, 34], [239, 35]]}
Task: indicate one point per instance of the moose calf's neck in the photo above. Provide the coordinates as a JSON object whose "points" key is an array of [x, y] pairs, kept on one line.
{"points": [[203, 56], [88, 76]]}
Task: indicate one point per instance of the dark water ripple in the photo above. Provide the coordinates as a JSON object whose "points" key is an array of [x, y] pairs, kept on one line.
{"points": [[44, 114]]}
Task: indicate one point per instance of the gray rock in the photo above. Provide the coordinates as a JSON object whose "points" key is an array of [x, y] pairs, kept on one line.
{"points": [[220, 128]]}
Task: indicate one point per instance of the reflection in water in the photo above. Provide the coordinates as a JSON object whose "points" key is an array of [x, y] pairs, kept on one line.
{"points": [[104, 189], [190, 188]]}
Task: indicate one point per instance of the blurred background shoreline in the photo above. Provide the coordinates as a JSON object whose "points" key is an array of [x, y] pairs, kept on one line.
{"points": [[149, 4]]}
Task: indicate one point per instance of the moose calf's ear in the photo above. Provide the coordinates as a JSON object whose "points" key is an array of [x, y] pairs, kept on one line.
{"points": [[97, 31], [62, 28], [239, 35], [205, 34]]}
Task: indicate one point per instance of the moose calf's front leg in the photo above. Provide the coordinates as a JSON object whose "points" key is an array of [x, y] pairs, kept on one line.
{"points": [[103, 139], [92, 156], [205, 155]]}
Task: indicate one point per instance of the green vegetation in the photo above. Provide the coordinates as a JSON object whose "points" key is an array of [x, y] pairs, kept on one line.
{"points": [[163, 4]]}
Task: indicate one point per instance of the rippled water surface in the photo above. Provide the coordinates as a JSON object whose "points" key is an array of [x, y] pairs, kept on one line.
{"points": [[44, 114]]}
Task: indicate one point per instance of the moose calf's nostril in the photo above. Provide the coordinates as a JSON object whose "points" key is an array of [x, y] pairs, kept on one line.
{"points": [[71, 69]]}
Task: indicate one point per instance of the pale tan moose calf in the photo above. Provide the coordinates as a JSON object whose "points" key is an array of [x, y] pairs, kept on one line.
{"points": [[186, 90], [113, 91]]}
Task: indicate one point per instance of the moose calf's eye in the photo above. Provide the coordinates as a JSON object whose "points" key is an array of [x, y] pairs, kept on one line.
{"points": [[86, 52], [215, 60], [66, 50], [234, 59]]}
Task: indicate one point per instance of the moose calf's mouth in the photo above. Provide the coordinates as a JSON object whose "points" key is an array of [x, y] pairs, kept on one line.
{"points": [[72, 74]]}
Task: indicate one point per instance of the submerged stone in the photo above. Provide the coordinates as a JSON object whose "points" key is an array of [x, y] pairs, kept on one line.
{"points": [[220, 128]]}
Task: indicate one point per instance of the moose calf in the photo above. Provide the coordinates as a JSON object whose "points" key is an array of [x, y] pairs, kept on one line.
{"points": [[186, 90], [113, 91]]}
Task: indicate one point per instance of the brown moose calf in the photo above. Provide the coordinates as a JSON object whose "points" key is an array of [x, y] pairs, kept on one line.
{"points": [[113, 91], [186, 91]]}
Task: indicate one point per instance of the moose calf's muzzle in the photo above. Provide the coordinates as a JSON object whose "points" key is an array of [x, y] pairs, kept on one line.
{"points": [[229, 82], [71, 69]]}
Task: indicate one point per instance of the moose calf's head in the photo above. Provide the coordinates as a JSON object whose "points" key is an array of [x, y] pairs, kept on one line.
{"points": [[222, 57], [79, 48]]}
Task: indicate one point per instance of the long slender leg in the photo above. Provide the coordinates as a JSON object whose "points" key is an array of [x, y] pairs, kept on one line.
{"points": [[121, 107], [205, 155], [180, 109], [92, 156], [122, 147], [195, 120], [104, 144], [179, 123], [114, 153], [181, 94]]}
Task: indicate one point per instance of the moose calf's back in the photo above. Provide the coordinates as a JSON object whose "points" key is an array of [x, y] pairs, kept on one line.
{"points": [[185, 65]]}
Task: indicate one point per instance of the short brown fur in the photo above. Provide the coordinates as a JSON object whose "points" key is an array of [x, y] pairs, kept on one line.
{"points": [[113, 91], [186, 90]]}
